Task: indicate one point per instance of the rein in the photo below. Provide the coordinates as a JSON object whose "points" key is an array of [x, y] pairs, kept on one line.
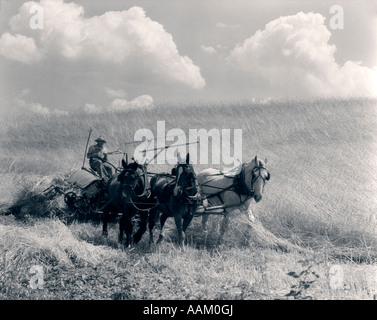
{"points": [[259, 169], [238, 185], [144, 203]]}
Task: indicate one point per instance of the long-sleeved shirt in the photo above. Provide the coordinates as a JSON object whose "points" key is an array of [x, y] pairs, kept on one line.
{"points": [[95, 151]]}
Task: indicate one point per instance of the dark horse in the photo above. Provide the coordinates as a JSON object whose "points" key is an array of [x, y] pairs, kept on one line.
{"points": [[129, 194], [177, 195]]}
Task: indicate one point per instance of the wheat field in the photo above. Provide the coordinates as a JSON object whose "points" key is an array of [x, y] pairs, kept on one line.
{"points": [[318, 210]]}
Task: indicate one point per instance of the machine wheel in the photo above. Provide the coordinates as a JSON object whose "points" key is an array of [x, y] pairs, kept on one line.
{"points": [[70, 199]]}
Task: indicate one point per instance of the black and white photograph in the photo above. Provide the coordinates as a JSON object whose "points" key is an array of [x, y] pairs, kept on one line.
{"points": [[203, 152]]}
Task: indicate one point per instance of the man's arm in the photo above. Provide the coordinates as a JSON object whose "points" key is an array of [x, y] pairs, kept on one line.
{"points": [[90, 152], [94, 152]]}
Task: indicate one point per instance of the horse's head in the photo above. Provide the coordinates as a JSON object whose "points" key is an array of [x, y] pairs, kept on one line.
{"points": [[133, 180], [186, 182], [128, 179], [257, 174]]}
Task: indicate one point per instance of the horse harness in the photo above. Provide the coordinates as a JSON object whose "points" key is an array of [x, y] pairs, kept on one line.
{"points": [[157, 203], [240, 186], [146, 191]]}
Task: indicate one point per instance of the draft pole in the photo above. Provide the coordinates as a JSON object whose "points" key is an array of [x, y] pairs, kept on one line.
{"points": [[86, 148]]}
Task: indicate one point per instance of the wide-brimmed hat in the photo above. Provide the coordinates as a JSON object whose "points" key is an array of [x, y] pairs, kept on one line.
{"points": [[100, 139]]}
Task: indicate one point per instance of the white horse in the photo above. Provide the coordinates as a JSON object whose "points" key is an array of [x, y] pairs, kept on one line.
{"points": [[229, 194]]}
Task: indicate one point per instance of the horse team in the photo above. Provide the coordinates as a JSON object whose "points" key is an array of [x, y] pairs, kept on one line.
{"points": [[181, 194]]}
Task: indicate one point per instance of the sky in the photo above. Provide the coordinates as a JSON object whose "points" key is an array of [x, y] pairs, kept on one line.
{"points": [[97, 56]]}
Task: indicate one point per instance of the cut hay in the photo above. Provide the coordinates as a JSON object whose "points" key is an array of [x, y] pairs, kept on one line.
{"points": [[240, 233], [48, 242], [32, 200], [264, 238]]}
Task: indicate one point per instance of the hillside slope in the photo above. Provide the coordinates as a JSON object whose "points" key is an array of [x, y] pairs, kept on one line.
{"points": [[321, 197]]}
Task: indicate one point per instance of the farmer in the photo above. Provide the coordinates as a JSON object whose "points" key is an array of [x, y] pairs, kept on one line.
{"points": [[98, 159]]}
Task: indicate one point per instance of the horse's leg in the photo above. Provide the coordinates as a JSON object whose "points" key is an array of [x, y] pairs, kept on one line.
{"points": [[187, 220], [177, 208], [163, 218], [151, 224], [178, 223], [224, 226], [122, 227], [204, 227], [142, 226], [128, 229], [105, 220], [250, 215], [204, 222]]}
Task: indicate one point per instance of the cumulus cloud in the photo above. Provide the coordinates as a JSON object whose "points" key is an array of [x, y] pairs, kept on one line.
{"points": [[92, 108], [221, 25], [20, 48], [128, 38], [115, 93], [141, 102], [37, 108], [33, 107], [208, 49], [293, 56], [25, 91]]}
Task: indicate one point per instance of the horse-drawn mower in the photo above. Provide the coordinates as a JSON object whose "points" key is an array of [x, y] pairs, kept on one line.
{"points": [[83, 191], [77, 197]]}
